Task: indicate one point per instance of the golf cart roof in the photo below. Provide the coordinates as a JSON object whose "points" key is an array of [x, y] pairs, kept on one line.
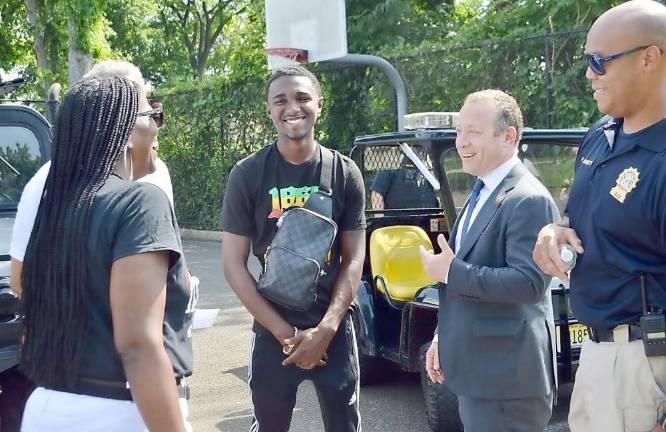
{"points": [[448, 134]]}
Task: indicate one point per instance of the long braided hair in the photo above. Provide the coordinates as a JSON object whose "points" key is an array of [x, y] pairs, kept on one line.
{"points": [[93, 125]]}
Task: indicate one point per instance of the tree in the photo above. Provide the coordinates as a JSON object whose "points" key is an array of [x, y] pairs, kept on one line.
{"points": [[67, 36], [200, 24], [15, 38], [47, 28]]}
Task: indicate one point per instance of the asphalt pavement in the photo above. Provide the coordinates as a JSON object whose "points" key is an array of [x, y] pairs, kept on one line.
{"points": [[220, 400]]}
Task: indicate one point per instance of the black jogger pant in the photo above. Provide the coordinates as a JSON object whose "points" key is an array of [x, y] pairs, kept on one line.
{"points": [[273, 386]]}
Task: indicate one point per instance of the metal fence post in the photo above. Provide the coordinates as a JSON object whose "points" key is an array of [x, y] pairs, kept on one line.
{"points": [[547, 81]]}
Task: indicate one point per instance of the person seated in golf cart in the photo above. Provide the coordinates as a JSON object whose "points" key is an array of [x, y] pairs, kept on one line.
{"points": [[403, 188]]}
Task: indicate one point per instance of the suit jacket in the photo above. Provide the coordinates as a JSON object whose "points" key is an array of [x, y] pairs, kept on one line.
{"points": [[496, 330]]}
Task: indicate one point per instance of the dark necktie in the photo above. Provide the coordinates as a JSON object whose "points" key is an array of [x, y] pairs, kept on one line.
{"points": [[473, 198]]}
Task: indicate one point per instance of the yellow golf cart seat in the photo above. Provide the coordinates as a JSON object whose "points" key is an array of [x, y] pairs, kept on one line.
{"points": [[395, 261]]}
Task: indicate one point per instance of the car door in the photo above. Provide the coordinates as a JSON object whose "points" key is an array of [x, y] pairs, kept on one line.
{"points": [[25, 145]]}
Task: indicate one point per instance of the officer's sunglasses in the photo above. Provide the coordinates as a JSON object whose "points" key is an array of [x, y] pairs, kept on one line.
{"points": [[596, 62], [156, 113]]}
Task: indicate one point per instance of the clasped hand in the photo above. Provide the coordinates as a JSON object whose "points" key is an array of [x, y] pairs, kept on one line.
{"points": [[309, 348]]}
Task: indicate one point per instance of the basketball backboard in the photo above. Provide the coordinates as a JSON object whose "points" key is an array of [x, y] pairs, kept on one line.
{"points": [[317, 26]]}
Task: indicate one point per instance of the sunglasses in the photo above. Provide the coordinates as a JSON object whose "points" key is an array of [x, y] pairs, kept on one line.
{"points": [[596, 62], [156, 113]]}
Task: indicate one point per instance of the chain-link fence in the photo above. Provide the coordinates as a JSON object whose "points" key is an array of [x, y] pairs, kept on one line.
{"points": [[211, 127], [394, 184]]}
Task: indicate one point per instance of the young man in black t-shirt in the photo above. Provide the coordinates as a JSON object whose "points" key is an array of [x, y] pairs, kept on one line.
{"points": [[259, 189]]}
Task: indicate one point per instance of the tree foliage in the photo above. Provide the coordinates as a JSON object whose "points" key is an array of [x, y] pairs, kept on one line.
{"points": [[15, 38], [199, 24], [205, 59]]}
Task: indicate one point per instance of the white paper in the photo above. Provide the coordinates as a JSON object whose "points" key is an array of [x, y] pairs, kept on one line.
{"points": [[204, 318]]}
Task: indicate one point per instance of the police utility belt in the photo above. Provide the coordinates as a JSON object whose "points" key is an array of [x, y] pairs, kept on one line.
{"points": [[296, 258], [651, 328]]}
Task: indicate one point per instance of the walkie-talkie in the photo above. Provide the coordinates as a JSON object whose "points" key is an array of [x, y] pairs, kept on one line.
{"points": [[653, 327]]}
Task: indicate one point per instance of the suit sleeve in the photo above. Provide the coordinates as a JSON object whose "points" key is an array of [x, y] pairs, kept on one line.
{"points": [[520, 281]]}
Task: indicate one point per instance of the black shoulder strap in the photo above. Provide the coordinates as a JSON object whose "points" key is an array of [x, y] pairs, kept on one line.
{"points": [[321, 201], [326, 179]]}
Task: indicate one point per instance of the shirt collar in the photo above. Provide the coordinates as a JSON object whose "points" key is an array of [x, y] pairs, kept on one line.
{"points": [[495, 177], [613, 127]]}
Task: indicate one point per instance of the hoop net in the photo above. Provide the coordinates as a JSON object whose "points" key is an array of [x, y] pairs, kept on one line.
{"points": [[281, 57]]}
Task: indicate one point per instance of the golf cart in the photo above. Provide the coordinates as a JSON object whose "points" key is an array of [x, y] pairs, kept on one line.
{"points": [[395, 309]]}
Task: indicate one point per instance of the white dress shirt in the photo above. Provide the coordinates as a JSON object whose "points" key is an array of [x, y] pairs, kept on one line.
{"points": [[490, 183]]}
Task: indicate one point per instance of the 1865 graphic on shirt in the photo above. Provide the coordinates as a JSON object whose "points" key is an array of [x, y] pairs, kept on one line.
{"points": [[284, 198]]}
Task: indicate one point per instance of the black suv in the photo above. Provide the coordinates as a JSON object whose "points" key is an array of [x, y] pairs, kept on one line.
{"points": [[25, 141]]}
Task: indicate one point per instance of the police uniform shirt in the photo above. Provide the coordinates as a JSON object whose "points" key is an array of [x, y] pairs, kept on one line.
{"points": [[617, 205], [405, 188]]}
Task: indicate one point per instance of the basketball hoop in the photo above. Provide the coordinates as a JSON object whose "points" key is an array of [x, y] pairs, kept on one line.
{"points": [[281, 57]]}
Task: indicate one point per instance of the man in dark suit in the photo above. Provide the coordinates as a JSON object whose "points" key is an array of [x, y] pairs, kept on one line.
{"points": [[495, 338]]}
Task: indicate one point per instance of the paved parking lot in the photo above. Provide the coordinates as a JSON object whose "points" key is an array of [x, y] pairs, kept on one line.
{"points": [[220, 399]]}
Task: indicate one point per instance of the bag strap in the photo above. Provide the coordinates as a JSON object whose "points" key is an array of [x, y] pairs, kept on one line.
{"points": [[326, 178], [321, 202]]}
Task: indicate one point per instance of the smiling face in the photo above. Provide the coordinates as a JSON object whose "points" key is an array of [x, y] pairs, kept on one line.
{"points": [[478, 142], [614, 91], [632, 81], [294, 104], [143, 139]]}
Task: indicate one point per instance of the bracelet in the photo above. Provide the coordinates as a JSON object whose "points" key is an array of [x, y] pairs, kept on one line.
{"points": [[287, 349]]}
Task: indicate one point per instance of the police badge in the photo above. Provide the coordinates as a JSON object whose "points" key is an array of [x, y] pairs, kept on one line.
{"points": [[625, 183]]}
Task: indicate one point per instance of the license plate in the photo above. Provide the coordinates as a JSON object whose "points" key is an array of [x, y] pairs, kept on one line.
{"points": [[577, 335]]}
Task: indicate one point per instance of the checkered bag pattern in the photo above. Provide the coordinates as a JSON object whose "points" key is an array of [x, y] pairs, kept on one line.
{"points": [[296, 258]]}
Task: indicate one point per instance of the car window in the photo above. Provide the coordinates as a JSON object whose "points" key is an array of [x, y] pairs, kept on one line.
{"points": [[552, 163], [20, 158]]}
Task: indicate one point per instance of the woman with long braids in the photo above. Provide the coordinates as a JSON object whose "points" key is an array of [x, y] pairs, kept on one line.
{"points": [[105, 342]]}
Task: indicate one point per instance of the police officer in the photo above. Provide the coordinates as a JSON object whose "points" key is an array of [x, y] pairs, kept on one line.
{"points": [[404, 187], [617, 223]]}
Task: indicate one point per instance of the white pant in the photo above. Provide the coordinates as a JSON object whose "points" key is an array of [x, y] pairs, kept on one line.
{"points": [[50, 410]]}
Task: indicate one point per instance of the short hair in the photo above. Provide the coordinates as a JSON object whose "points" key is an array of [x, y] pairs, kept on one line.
{"points": [[508, 111], [120, 69], [293, 70]]}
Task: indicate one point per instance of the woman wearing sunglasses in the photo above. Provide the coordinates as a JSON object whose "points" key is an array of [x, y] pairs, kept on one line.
{"points": [[140, 154], [144, 166], [104, 342]]}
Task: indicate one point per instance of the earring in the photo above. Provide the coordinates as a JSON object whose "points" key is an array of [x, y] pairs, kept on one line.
{"points": [[131, 168]]}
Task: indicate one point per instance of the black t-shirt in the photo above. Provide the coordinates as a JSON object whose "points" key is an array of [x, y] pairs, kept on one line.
{"points": [[129, 218], [252, 207], [404, 188]]}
